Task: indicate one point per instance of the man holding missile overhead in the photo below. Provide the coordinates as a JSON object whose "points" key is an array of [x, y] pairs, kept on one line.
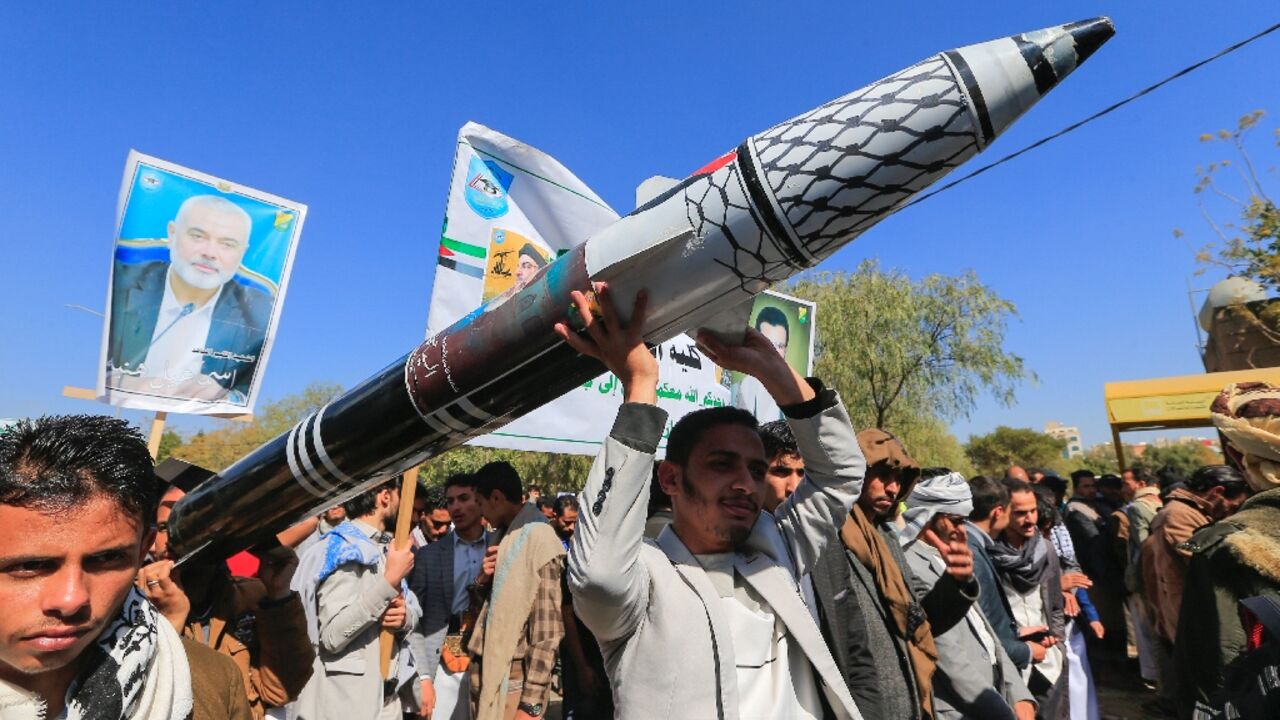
{"points": [[708, 621]]}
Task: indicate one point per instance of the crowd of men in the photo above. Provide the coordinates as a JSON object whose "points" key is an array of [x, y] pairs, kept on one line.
{"points": [[792, 570]]}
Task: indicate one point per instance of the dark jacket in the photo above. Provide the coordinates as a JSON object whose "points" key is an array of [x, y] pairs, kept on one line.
{"points": [[993, 602], [1231, 560], [845, 620], [239, 324]]}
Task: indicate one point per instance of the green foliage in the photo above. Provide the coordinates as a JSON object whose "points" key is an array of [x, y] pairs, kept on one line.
{"points": [[170, 440], [1101, 459], [1249, 247], [219, 448], [551, 472], [993, 453], [1182, 459], [899, 350], [929, 443]]}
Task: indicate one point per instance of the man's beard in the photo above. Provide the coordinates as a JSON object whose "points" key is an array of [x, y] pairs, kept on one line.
{"points": [[736, 535], [195, 278]]}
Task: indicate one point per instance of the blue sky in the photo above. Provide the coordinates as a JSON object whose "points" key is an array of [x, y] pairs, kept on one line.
{"points": [[353, 108]]}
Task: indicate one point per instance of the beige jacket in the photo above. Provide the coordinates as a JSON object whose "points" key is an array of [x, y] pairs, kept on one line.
{"points": [[1164, 563]]}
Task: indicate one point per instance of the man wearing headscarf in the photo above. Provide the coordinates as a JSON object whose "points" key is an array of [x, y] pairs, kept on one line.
{"points": [[975, 677], [878, 618], [1237, 557]]}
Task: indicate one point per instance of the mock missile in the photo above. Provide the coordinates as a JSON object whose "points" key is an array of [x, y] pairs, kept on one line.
{"points": [[780, 202]]}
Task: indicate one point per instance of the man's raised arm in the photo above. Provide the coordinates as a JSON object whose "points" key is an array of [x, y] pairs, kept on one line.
{"points": [[833, 462], [609, 583]]}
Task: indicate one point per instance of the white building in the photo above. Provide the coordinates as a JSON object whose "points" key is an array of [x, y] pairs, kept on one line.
{"points": [[1075, 448]]}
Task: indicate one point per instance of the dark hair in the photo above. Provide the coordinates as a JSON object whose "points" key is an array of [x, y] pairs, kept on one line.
{"points": [[465, 480], [1081, 473], [565, 502], [932, 472], [1110, 481], [1211, 476], [1017, 486], [434, 497], [543, 502], [688, 432], [778, 438], [501, 476], [57, 461], [1168, 475], [533, 488], [1140, 474], [1045, 507], [365, 502], [988, 495], [773, 316], [1055, 483], [659, 500]]}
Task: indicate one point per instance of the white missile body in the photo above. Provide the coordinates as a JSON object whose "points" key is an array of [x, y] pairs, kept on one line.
{"points": [[779, 203]]}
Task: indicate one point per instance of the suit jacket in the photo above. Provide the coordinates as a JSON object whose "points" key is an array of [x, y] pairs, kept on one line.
{"points": [[969, 682], [666, 643], [432, 582], [239, 324], [347, 680], [993, 602]]}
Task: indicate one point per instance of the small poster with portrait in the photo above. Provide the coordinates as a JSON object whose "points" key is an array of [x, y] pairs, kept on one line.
{"points": [[788, 322], [198, 277]]}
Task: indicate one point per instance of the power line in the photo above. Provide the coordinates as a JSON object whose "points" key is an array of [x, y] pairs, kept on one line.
{"points": [[1105, 111]]}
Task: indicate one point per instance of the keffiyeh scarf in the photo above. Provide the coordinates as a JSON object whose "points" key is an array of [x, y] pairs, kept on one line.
{"points": [[1023, 567], [942, 494], [137, 670], [1249, 415]]}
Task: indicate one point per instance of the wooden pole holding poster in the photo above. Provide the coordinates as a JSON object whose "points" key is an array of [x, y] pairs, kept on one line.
{"points": [[157, 433], [401, 540]]}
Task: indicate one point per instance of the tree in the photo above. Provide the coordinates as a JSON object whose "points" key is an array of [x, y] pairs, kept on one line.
{"points": [[1250, 246], [898, 350], [170, 440], [993, 453], [552, 472], [219, 448], [1181, 459]]}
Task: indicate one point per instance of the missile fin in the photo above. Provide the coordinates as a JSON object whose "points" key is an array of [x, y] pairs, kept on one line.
{"points": [[730, 325], [653, 187]]}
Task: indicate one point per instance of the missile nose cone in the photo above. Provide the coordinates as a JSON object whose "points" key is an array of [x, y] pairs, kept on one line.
{"points": [[1090, 35], [1004, 78]]}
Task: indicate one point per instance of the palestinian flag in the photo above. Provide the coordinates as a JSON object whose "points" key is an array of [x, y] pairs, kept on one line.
{"points": [[463, 257]]}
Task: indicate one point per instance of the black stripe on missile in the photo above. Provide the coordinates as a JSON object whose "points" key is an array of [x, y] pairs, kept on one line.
{"points": [[975, 94], [310, 459], [1041, 68], [772, 222]]}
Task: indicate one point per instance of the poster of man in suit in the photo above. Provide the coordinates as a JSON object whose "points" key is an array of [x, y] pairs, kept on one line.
{"points": [[198, 278]]}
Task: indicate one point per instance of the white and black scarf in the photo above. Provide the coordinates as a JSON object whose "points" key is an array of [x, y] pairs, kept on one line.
{"points": [[1023, 567], [137, 670]]}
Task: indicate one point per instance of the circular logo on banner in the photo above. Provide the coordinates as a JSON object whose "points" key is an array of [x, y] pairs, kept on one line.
{"points": [[486, 189]]}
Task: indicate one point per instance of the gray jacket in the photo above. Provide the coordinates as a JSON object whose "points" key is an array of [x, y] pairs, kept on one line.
{"points": [[666, 644], [344, 614], [968, 682]]}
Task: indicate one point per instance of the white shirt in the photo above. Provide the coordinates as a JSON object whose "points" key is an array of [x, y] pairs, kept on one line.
{"points": [[1028, 610], [177, 337], [467, 559], [775, 678]]}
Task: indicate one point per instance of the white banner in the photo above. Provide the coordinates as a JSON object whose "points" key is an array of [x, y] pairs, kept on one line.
{"points": [[511, 210], [198, 278]]}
